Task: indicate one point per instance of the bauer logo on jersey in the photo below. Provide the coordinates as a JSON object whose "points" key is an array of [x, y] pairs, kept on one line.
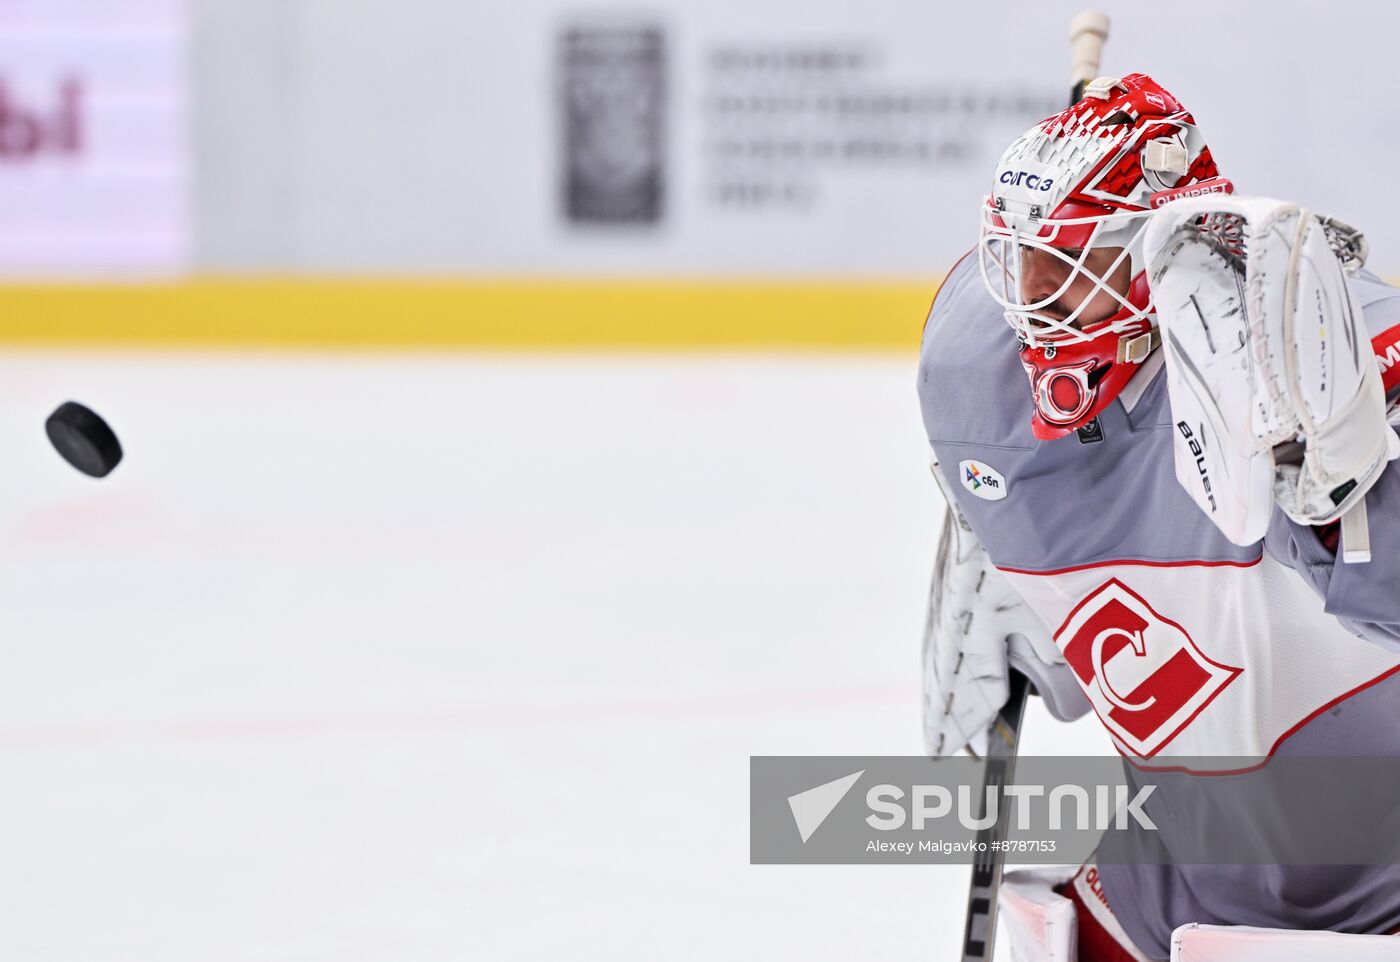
{"points": [[1144, 675], [982, 480]]}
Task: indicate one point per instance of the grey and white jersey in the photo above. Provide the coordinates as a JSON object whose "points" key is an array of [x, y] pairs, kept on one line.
{"points": [[1185, 644]]}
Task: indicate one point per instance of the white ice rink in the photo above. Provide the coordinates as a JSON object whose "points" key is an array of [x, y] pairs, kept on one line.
{"points": [[429, 659]]}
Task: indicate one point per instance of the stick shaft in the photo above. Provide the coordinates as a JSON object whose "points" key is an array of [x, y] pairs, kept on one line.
{"points": [[1088, 32], [979, 934]]}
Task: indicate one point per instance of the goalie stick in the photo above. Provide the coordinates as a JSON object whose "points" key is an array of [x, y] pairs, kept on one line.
{"points": [[1000, 762], [1087, 33]]}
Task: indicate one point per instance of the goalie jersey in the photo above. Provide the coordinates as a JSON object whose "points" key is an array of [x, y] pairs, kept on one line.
{"points": [[1184, 644]]}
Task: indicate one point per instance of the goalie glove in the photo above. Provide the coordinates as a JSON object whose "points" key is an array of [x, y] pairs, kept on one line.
{"points": [[1276, 395], [978, 629]]}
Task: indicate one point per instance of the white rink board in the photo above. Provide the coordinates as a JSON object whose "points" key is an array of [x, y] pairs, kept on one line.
{"points": [[451, 155], [375, 661]]}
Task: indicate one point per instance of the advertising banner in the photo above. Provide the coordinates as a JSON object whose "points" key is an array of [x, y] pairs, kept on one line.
{"points": [[93, 155]]}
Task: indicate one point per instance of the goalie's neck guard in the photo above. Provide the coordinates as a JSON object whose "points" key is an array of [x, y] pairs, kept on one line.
{"points": [[1075, 192]]}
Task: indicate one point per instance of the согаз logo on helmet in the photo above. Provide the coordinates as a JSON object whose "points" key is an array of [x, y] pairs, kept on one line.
{"points": [[1024, 178]]}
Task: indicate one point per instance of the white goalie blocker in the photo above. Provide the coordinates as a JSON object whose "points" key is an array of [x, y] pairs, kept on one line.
{"points": [[1276, 394]]}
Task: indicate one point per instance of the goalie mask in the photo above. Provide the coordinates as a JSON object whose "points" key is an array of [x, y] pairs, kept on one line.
{"points": [[1061, 240]]}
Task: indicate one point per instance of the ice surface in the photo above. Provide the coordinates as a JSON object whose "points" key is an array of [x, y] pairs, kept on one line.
{"points": [[455, 658]]}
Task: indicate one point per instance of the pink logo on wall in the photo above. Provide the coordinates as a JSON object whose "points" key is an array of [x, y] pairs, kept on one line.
{"points": [[29, 130], [94, 147]]}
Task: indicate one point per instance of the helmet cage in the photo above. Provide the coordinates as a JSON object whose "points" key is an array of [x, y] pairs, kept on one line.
{"points": [[1006, 238]]}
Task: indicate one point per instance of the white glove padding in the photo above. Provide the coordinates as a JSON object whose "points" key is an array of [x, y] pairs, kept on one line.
{"points": [[1266, 348], [978, 627]]}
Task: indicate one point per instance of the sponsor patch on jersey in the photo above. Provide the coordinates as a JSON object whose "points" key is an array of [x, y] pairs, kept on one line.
{"points": [[1145, 676], [1091, 432], [1387, 348], [982, 479]]}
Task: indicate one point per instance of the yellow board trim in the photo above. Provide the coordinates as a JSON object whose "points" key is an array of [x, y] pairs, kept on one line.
{"points": [[530, 314]]}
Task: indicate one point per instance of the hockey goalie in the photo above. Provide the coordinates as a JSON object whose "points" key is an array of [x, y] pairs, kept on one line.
{"points": [[1187, 525]]}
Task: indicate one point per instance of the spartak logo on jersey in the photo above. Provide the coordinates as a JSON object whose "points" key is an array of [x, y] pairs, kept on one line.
{"points": [[1144, 675]]}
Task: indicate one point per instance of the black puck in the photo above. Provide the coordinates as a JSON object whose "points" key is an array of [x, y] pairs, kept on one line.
{"points": [[83, 439]]}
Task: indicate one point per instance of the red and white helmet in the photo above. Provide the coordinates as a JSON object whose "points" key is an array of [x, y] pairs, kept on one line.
{"points": [[1084, 179]]}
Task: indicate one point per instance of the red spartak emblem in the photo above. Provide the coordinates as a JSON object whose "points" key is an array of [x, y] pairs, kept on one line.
{"points": [[1146, 678]]}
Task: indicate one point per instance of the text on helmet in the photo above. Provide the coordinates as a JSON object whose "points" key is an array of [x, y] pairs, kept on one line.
{"points": [[1024, 178]]}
